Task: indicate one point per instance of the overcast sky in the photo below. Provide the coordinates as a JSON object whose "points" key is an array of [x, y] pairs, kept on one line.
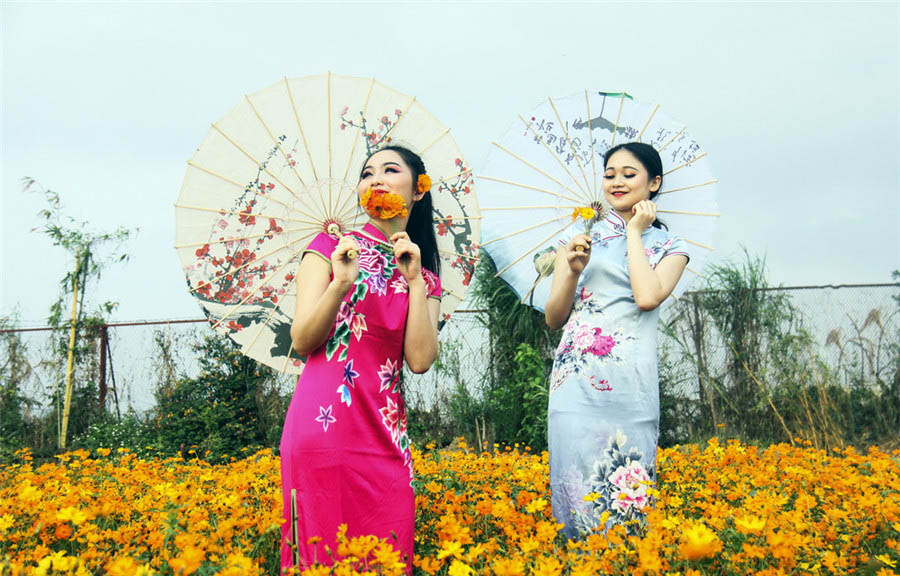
{"points": [[797, 105]]}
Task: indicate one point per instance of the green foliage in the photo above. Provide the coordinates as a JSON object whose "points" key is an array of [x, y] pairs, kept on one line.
{"points": [[521, 350], [91, 253], [233, 404], [773, 386], [108, 431], [15, 370]]}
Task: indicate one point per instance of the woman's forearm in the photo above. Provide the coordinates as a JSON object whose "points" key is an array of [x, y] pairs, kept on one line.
{"points": [[420, 345], [313, 323], [562, 294], [645, 285]]}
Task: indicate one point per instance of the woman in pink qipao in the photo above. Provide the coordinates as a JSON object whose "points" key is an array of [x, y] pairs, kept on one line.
{"points": [[366, 302]]}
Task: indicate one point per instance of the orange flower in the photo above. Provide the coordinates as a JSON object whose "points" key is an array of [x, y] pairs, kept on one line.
{"points": [[383, 205], [423, 184]]}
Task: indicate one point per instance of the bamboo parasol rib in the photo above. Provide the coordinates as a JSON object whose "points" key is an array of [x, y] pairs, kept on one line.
{"points": [[562, 126], [555, 157]]}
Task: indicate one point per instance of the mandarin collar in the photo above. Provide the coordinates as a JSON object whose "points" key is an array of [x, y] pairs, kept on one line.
{"points": [[374, 231]]}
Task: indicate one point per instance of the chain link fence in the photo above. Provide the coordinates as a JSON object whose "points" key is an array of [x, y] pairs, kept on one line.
{"points": [[854, 332]]}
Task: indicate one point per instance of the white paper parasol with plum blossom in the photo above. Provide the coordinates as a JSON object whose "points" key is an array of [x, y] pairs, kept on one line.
{"points": [[281, 167]]}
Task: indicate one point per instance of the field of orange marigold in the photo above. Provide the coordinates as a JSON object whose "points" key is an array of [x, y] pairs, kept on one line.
{"points": [[720, 510]]}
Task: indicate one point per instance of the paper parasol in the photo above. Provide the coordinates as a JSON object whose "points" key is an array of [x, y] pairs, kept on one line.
{"points": [[551, 162], [281, 167]]}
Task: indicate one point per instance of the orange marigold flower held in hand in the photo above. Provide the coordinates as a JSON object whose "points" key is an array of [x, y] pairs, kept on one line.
{"points": [[698, 542], [383, 205]]}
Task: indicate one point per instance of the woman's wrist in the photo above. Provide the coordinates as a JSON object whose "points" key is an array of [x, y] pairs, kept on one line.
{"points": [[340, 287], [417, 284]]}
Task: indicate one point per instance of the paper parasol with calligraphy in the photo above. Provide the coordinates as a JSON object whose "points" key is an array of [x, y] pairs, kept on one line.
{"points": [[283, 166], [550, 163]]}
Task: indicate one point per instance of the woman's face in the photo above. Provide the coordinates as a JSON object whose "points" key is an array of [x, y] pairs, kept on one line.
{"points": [[387, 172], [626, 182]]}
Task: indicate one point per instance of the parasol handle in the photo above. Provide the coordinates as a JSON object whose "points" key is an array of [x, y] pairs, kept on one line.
{"points": [[335, 230]]}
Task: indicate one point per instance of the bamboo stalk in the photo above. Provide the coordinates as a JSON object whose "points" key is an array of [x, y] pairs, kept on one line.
{"points": [[70, 356], [295, 530]]}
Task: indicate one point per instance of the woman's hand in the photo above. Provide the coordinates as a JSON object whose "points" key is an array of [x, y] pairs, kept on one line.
{"points": [[408, 256], [343, 268], [644, 216], [578, 253]]}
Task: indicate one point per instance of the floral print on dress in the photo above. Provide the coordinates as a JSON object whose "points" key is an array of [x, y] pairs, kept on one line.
{"points": [[620, 484], [583, 343], [376, 267], [659, 249]]}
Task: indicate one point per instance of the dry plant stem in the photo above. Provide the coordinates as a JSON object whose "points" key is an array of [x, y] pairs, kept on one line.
{"points": [[766, 392]]}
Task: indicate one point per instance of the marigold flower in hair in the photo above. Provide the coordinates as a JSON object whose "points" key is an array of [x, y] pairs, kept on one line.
{"points": [[423, 184], [383, 205]]}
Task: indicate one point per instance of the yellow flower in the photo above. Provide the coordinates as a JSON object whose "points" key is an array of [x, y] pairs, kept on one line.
{"points": [[886, 560], [698, 541], [749, 524], [536, 505], [583, 212], [460, 569], [450, 549], [70, 514], [188, 561]]}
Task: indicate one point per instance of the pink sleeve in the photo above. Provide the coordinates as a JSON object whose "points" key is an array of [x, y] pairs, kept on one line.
{"points": [[323, 245], [432, 284]]}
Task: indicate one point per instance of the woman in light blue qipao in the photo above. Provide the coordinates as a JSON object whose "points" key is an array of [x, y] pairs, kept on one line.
{"points": [[603, 420]]}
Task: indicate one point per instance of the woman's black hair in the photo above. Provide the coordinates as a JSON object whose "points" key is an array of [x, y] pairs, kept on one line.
{"points": [[420, 225], [649, 159]]}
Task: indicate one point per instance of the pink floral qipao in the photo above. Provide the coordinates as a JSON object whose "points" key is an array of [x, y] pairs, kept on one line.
{"points": [[344, 447], [603, 418]]}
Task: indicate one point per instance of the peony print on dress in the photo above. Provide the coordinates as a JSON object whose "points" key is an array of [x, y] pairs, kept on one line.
{"points": [[583, 343], [620, 485], [376, 267]]}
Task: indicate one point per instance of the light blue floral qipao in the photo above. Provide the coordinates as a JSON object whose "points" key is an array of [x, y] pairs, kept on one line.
{"points": [[603, 419]]}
